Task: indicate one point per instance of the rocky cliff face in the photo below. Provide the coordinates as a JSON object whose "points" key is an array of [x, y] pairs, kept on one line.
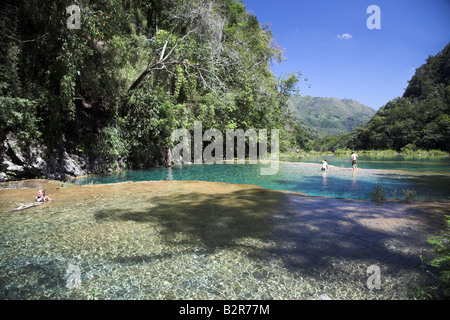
{"points": [[37, 161]]}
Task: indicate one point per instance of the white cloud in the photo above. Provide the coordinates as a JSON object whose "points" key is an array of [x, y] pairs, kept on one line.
{"points": [[345, 36]]}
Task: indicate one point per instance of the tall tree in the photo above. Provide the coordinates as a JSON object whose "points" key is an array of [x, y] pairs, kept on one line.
{"points": [[112, 91]]}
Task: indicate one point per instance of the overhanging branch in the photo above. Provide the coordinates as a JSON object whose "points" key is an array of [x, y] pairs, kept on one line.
{"points": [[161, 63]]}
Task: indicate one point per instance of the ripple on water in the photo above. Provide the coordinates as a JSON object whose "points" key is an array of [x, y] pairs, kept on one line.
{"points": [[193, 240]]}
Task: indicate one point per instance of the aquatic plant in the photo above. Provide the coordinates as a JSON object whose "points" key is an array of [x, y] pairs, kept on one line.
{"points": [[93, 294], [378, 194], [409, 194], [66, 185], [394, 194]]}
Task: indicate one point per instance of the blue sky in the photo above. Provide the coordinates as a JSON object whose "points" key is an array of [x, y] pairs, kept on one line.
{"points": [[330, 43]]}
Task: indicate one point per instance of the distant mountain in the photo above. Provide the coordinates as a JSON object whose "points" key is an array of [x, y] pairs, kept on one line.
{"points": [[324, 116], [420, 119]]}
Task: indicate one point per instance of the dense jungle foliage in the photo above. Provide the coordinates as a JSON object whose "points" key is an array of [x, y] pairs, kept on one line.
{"points": [[420, 119], [134, 71]]}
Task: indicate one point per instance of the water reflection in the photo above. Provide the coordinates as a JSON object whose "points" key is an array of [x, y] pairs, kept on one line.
{"points": [[169, 174], [324, 180], [299, 177], [354, 183]]}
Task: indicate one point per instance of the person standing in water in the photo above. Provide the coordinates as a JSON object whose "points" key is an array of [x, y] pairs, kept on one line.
{"points": [[324, 165], [353, 158]]}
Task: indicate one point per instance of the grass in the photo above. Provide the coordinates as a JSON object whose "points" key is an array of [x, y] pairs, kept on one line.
{"points": [[380, 194], [436, 285], [404, 152]]}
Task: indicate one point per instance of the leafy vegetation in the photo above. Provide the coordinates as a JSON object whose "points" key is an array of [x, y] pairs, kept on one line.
{"points": [[113, 90], [437, 282], [379, 193], [418, 123], [327, 116], [420, 119]]}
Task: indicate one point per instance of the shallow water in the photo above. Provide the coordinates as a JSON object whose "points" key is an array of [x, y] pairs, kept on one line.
{"points": [[383, 162], [201, 240], [297, 176]]}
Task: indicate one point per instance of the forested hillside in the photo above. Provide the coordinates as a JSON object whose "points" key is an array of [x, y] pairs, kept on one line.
{"points": [[420, 119], [329, 115], [108, 95]]}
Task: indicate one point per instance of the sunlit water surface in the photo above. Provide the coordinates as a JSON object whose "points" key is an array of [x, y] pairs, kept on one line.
{"points": [[339, 181], [165, 236], [384, 162], [202, 240]]}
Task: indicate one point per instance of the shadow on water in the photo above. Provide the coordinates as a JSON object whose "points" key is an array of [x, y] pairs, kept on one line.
{"points": [[306, 234], [317, 237], [171, 240], [360, 187], [210, 220], [299, 177]]}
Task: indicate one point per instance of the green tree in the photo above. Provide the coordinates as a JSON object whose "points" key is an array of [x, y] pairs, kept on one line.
{"points": [[113, 90], [418, 118]]}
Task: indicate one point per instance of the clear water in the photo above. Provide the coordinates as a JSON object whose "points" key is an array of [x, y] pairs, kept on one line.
{"points": [[202, 240], [407, 163], [164, 236], [338, 182]]}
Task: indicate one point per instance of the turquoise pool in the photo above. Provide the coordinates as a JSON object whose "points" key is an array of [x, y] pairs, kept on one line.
{"points": [[338, 182], [406, 163]]}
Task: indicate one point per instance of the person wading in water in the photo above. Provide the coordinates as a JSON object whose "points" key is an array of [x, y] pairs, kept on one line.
{"points": [[353, 157]]}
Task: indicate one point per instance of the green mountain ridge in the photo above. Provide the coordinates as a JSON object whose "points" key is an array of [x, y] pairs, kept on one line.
{"points": [[322, 116], [420, 119]]}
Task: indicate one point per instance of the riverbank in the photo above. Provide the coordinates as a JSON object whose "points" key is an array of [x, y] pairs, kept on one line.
{"points": [[339, 152], [204, 240], [70, 166], [299, 176]]}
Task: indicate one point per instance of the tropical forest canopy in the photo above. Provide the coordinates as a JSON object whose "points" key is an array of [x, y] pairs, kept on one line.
{"points": [[420, 119], [114, 89]]}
